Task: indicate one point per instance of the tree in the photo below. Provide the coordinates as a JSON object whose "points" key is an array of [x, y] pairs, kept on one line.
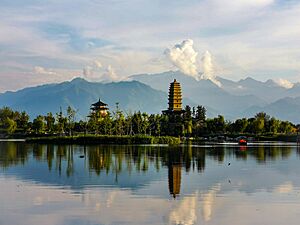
{"points": [[154, 125], [22, 121], [50, 121], [187, 121], [119, 122], [220, 124], [199, 121], [10, 125], [92, 124], [137, 122], [145, 123], [274, 125], [71, 119], [285, 127], [61, 122], [258, 125], [104, 124], [39, 125], [240, 125], [261, 123]]}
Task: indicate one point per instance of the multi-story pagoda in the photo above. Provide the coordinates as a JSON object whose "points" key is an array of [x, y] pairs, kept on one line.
{"points": [[175, 99], [99, 108]]}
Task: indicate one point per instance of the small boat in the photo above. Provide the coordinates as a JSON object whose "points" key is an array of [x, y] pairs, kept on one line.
{"points": [[242, 141]]}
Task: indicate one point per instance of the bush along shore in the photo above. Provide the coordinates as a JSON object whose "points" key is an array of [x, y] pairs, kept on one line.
{"points": [[106, 139]]}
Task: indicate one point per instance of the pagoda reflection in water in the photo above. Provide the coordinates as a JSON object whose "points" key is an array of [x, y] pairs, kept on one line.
{"points": [[174, 172]]}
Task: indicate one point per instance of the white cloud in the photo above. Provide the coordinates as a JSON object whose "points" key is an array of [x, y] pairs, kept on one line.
{"points": [[43, 71], [243, 4], [87, 71], [110, 74], [95, 72], [208, 69], [284, 83], [184, 57], [97, 64]]}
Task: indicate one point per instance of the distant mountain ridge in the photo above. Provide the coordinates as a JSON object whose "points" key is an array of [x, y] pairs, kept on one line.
{"points": [[80, 94], [148, 93], [233, 99]]}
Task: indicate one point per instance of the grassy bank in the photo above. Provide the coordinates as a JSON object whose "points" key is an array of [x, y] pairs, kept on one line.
{"points": [[106, 139]]}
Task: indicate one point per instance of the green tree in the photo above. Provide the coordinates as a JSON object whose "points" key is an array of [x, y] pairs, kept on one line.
{"points": [[274, 125], [201, 113], [22, 121], [39, 125], [119, 121], [105, 124], [285, 127], [50, 122], [92, 124], [10, 125], [137, 122], [61, 123], [199, 121], [145, 123], [155, 125], [71, 119], [187, 121], [240, 125]]}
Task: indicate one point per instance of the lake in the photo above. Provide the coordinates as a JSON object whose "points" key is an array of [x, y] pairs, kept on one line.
{"points": [[209, 184]]}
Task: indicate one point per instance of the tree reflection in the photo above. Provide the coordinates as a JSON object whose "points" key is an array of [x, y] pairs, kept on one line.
{"points": [[115, 159], [13, 153]]}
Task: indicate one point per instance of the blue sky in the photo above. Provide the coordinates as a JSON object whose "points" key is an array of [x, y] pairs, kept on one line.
{"points": [[52, 41]]}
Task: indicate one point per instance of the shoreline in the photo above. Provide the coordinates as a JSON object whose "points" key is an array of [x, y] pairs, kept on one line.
{"points": [[105, 139]]}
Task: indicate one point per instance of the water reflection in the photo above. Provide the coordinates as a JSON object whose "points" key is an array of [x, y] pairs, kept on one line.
{"points": [[122, 184]]}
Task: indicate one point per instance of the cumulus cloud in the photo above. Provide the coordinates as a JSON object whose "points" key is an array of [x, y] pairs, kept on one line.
{"points": [[87, 71], [284, 83], [110, 74], [95, 72], [97, 63], [184, 56], [43, 71], [91, 70], [208, 69]]}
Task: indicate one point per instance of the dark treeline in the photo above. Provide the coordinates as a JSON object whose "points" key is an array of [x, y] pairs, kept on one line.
{"points": [[191, 123]]}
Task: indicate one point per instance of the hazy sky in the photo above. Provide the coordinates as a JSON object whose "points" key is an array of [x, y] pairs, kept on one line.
{"points": [[49, 41]]}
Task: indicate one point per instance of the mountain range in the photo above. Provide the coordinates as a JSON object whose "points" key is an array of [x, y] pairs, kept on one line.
{"points": [[80, 94], [234, 99], [148, 93]]}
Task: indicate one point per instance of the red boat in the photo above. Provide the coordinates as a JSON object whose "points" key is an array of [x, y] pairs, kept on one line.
{"points": [[243, 141]]}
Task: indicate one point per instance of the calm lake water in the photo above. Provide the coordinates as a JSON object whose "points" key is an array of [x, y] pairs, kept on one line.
{"points": [[228, 184]]}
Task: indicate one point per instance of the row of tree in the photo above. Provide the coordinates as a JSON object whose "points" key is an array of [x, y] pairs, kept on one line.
{"points": [[192, 122]]}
